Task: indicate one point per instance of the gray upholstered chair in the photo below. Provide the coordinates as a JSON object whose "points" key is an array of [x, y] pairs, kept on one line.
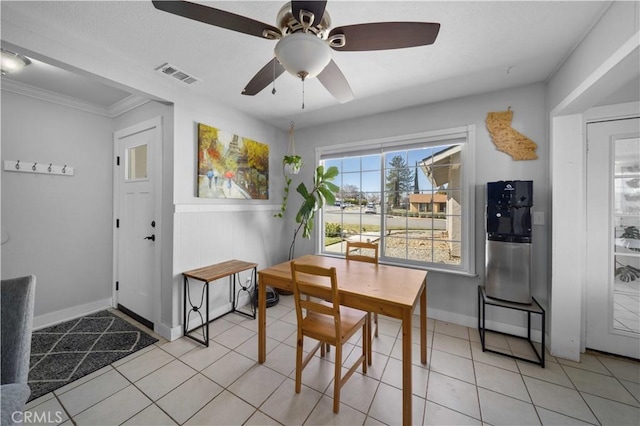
{"points": [[16, 310]]}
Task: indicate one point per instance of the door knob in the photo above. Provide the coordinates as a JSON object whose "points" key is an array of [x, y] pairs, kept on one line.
{"points": [[151, 237]]}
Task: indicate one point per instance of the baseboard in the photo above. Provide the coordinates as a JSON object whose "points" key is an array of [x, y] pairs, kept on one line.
{"points": [[174, 333], [46, 320], [472, 322], [169, 333]]}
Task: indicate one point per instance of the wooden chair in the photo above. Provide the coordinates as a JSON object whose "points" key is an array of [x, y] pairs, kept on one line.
{"points": [[355, 252], [321, 317]]}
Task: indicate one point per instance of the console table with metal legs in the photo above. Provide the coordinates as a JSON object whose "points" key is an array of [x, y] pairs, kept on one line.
{"points": [[211, 273], [533, 308]]}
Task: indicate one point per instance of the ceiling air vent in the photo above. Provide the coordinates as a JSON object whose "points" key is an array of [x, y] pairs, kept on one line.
{"points": [[170, 70]]}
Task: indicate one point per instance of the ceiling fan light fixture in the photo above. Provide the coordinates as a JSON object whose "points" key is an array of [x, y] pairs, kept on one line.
{"points": [[12, 62], [303, 55]]}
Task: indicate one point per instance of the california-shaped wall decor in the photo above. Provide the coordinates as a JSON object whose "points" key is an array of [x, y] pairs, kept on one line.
{"points": [[507, 139]]}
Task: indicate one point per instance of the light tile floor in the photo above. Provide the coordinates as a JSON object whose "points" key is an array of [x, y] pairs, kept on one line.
{"points": [[182, 382]]}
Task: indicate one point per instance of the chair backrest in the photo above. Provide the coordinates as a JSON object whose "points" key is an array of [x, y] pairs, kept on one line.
{"points": [[361, 251], [315, 290], [17, 297]]}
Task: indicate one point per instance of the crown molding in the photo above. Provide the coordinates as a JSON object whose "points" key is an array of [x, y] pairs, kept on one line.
{"points": [[126, 105], [113, 111]]}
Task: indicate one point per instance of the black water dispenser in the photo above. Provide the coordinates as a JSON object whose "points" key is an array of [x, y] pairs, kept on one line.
{"points": [[508, 240]]}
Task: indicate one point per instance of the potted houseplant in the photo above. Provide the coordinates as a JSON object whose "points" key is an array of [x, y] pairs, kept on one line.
{"points": [[291, 165], [323, 192]]}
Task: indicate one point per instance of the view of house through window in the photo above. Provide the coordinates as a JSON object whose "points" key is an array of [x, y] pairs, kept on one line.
{"points": [[408, 200]]}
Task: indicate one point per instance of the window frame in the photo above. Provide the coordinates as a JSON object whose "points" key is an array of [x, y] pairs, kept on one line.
{"points": [[465, 136]]}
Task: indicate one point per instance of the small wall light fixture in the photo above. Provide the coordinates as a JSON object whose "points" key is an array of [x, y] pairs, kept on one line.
{"points": [[12, 62]]}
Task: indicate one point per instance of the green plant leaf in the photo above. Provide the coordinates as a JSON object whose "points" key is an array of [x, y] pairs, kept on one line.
{"points": [[302, 190], [319, 174], [308, 227], [327, 195], [291, 159], [323, 192], [331, 173], [306, 210], [332, 187]]}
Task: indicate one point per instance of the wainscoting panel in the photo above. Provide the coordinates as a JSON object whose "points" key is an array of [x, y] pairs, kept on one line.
{"points": [[208, 234]]}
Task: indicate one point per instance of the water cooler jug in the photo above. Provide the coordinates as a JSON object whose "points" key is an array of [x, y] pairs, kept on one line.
{"points": [[508, 240]]}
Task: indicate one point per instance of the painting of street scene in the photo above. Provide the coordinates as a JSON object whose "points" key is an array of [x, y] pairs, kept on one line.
{"points": [[231, 166]]}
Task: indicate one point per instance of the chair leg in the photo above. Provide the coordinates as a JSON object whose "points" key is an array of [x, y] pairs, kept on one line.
{"points": [[337, 380], [366, 343], [370, 341], [299, 367]]}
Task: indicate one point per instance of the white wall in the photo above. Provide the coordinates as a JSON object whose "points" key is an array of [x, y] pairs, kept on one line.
{"points": [[616, 27], [567, 278], [59, 227], [208, 231], [453, 297], [446, 293], [211, 240], [613, 37]]}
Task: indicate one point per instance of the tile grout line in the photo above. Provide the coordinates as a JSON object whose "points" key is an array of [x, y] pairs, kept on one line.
{"points": [[473, 360]]}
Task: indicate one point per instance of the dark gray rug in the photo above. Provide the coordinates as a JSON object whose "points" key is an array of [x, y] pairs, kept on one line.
{"points": [[70, 350]]}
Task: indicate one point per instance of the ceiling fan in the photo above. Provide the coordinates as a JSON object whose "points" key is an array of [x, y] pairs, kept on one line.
{"points": [[305, 39]]}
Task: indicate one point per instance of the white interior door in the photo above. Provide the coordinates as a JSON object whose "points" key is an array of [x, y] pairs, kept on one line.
{"points": [[613, 237], [137, 237]]}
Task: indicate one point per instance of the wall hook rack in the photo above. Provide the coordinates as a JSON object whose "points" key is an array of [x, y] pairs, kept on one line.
{"points": [[34, 167]]}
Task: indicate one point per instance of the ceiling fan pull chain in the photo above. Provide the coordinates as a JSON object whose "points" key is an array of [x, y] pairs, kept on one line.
{"points": [[273, 91], [303, 93]]}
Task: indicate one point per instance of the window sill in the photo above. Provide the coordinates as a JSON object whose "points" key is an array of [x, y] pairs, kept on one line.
{"points": [[412, 266]]}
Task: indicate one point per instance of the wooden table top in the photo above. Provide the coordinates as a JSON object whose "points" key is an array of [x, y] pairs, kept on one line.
{"points": [[219, 270], [394, 285]]}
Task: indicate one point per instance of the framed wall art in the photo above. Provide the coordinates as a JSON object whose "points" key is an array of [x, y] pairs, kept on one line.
{"points": [[231, 166]]}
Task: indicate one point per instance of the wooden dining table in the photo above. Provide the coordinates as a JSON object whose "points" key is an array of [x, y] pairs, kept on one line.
{"points": [[387, 290]]}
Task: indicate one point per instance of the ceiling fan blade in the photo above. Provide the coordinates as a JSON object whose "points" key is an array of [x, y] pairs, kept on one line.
{"points": [[266, 75], [386, 35], [315, 7], [217, 17], [334, 81]]}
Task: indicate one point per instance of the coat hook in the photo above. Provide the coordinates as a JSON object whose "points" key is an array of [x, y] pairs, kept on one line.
{"points": [[18, 165], [49, 168], [34, 166], [64, 169]]}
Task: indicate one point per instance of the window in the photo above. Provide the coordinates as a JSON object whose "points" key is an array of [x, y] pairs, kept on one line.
{"points": [[413, 195], [136, 162]]}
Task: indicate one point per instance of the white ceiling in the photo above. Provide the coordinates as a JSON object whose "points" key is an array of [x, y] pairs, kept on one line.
{"points": [[482, 47]]}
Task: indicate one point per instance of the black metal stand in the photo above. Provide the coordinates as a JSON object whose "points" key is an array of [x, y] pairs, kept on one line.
{"points": [[206, 275], [249, 290], [196, 309], [534, 308]]}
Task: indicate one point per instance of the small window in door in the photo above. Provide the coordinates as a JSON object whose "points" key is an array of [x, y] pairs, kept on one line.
{"points": [[136, 162]]}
